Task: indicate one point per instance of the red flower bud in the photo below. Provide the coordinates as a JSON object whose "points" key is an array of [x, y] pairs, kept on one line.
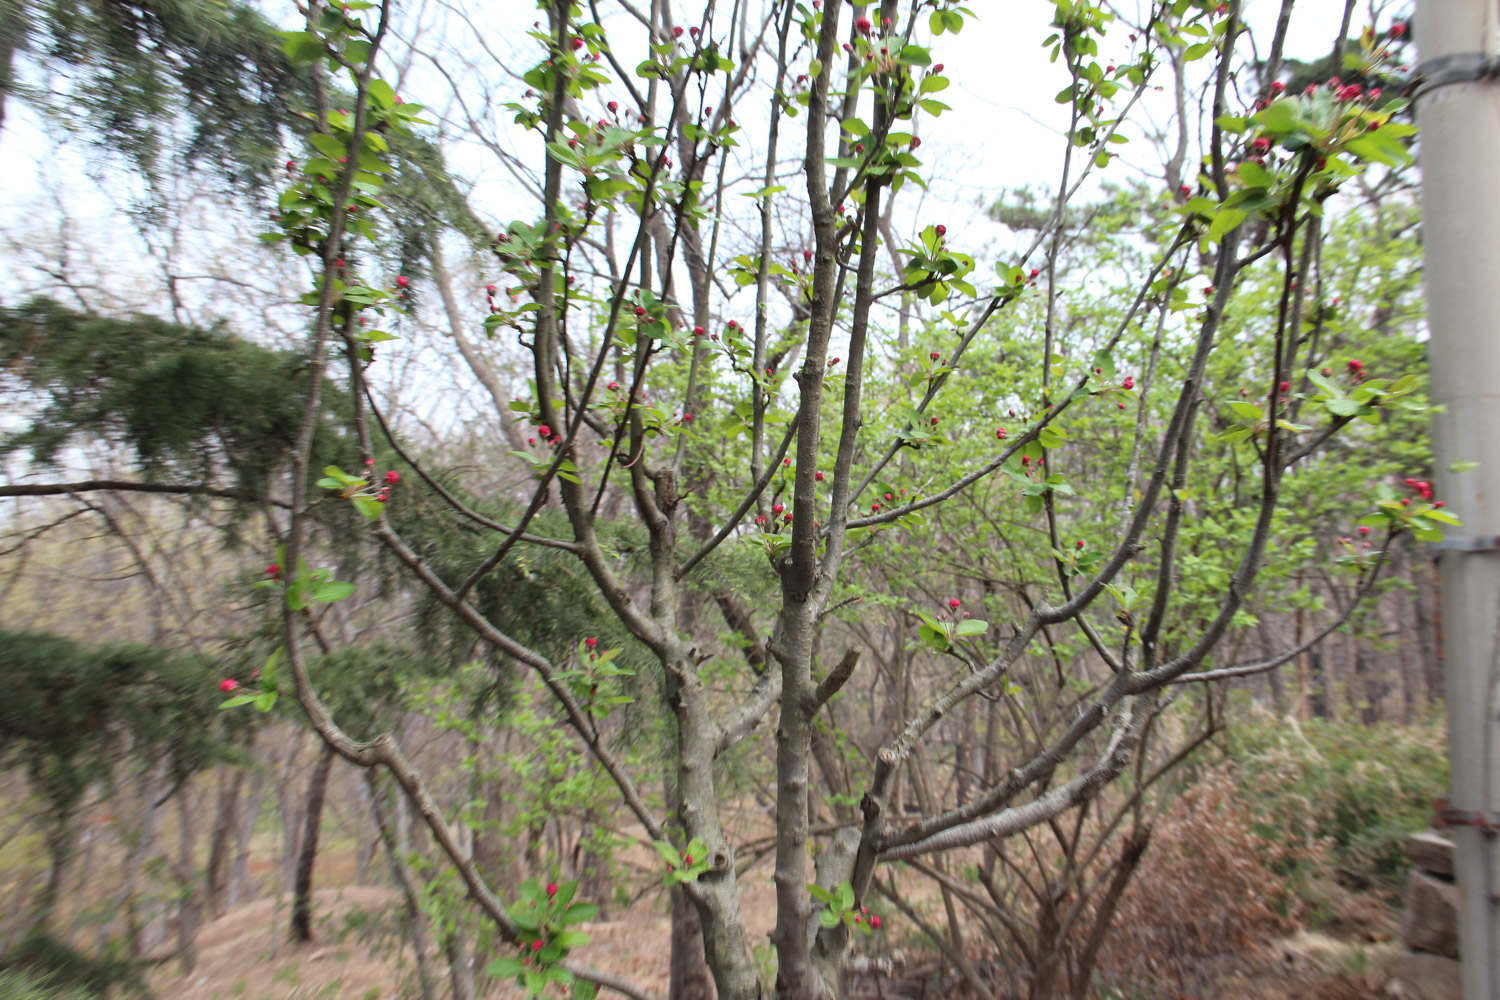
{"points": [[544, 431], [640, 311], [273, 571], [393, 477], [591, 643], [863, 26], [551, 888], [402, 281], [577, 43], [954, 603], [875, 922], [537, 944], [228, 684]]}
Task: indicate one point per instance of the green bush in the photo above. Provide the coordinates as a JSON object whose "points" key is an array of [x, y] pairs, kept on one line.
{"points": [[1339, 796]]}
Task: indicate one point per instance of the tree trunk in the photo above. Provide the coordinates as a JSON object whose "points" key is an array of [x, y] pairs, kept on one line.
{"points": [[459, 971], [307, 850], [395, 842], [189, 908], [240, 888], [226, 821]]}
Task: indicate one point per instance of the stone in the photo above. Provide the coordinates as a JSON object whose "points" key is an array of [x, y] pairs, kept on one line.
{"points": [[1429, 920], [1431, 852], [1427, 977]]}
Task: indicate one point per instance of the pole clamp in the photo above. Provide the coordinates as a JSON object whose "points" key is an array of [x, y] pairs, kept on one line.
{"points": [[1466, 543], [1457, 67], [1445, 815]]}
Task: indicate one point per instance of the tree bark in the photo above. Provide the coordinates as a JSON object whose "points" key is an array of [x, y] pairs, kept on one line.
{"points": [[307, 849], [226, 821], [391, 837]]}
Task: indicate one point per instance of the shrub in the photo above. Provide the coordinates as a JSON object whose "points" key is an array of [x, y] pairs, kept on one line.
{"points": [[1340, 798]]}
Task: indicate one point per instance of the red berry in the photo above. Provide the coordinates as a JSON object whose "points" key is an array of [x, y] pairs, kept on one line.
{"points": [[228, 684]]}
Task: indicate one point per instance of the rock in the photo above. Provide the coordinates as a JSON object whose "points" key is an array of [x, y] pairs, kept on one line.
{"points": [[1429, 920], [1427, 977], [1431, 852]]}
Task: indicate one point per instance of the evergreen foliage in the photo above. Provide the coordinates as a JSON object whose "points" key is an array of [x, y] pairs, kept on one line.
{"points": [[190, 404]]}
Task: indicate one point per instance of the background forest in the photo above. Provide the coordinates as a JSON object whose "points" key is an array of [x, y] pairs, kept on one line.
{"points": [[724, 499]]}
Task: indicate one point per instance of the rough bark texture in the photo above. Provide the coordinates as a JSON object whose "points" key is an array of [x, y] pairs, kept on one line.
{"points": [[307, 849]]}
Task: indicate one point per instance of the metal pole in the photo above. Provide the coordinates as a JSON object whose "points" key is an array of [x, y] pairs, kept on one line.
{"points": [[1458, 111]]}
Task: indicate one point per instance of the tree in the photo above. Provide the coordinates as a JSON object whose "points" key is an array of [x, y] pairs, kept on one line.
{"points": [[761, 465]]}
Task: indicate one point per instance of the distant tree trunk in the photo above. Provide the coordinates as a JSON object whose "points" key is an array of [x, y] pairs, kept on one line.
{"points": [[61, 839], [189, 908], [240, 887], [459, 970], [394, 840], [226, 821], [288, 805], [1424, 600], [307, 850], [140, 852]]}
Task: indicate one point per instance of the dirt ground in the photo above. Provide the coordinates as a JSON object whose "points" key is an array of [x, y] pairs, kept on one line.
{"points": [[244, 955]]}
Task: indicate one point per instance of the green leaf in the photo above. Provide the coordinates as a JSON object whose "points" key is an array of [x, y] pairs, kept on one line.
{"points": [[972, 626], [568, 940], [504, 968], [302, 47], [578, 913], [372, 509], [328, 146], [1224, 221], [828, 919], [238, 700], [332, 591], [845, 896]]}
